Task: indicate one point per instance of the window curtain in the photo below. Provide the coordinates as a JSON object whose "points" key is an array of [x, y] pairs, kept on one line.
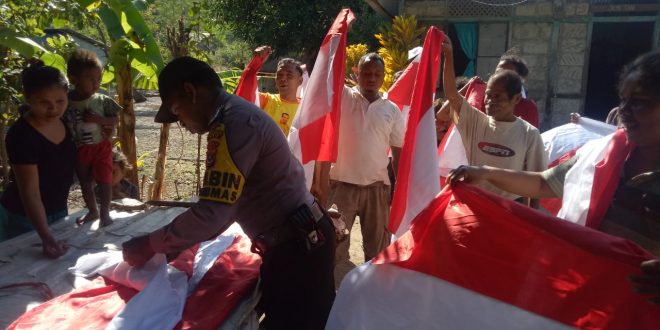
{"points": [[467, 37]]}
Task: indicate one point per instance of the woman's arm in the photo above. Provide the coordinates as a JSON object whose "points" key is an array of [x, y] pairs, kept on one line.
{"points": [[27, 179], [526, 184]]}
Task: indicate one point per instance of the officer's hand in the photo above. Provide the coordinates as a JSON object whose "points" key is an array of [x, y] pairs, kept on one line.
{"points": [[468, 174], [649, 281], [137, 251]]}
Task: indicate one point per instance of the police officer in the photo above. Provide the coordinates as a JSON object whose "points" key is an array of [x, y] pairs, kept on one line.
{"points": [[252, 178]]}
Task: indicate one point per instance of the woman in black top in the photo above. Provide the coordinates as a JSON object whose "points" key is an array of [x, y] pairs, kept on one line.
{"points": [[42, 154]]}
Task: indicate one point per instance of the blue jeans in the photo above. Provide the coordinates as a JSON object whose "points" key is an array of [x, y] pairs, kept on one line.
{"points": [[12, 225]]}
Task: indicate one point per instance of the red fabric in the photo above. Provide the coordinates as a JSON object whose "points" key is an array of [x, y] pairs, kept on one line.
{"points": [[318, 138], [233, 275], [607, 177], [475, 93], [99, 158], [526, 109], [421, 101], [512, 253], [402, 90], [247, 85], [91, 307], [223, 287]]}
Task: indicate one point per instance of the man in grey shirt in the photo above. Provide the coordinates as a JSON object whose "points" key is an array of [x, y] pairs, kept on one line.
{"points": [[252, 178]]}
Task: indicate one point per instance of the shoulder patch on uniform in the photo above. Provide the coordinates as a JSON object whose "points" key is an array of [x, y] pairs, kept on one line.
{"points": [[223, 181]]}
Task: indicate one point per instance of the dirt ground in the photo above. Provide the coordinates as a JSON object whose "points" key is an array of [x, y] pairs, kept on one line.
{"points": [[180, 177]]}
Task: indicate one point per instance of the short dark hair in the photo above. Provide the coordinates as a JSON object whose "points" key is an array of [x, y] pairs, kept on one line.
{"points": [[82, 60], [511, 56], [371, 57], [38, 76], [512, 81], [286, 61], [646, 67]]}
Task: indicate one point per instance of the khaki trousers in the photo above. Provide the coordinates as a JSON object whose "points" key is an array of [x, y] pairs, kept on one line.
{"points": [[372, 204]]}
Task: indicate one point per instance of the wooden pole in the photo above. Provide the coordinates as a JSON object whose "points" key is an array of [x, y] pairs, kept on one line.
{"points": [[159, 176], [177, 42]]}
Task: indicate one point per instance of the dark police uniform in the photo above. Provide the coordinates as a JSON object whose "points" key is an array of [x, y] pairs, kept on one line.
{"points": [[252, 178]]}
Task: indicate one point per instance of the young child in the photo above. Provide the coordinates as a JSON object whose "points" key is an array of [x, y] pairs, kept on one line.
{"points": [[42, 155], [93, 113], [121, 188], [495, 138]]}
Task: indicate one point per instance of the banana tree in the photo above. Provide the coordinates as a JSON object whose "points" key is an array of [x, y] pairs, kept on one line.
{"points": [[135, 60]]}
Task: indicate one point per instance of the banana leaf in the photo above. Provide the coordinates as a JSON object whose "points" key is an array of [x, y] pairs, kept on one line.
{"points": [[22, 45]]}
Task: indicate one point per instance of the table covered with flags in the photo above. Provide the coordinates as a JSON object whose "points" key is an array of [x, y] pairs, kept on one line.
{"points": [[210, 285]]}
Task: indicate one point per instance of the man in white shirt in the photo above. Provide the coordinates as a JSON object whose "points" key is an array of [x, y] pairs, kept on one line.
{"points": [[370, 126]]}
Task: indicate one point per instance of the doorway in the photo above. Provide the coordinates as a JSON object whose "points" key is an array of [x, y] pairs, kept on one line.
{"points": [[613, 45]]}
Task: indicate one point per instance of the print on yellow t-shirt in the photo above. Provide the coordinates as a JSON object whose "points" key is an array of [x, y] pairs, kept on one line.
{"points": [[281, 111]]}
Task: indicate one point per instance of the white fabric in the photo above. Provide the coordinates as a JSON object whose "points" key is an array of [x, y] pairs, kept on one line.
{"points": [[366, 132], [160, 304], [300, 92], [579, 181], [390, 297], [296, 150], [162, 296], [163, 289], [424, 180], [209, 251], [563, 139], [452, 155]]}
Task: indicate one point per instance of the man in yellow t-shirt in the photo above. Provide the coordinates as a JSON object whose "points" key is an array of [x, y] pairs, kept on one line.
{"points": [[282, 107]]}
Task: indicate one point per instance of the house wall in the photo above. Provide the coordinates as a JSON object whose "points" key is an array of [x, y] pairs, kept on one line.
{"points": [[553, 36]]}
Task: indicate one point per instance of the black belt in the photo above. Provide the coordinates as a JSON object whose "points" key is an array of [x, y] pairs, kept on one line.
{"points": [[283, 232]]}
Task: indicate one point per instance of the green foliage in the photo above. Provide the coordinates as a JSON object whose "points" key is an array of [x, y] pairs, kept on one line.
{"points": [[23, 22], [293, 26], [395, 41], [230, 79], [210, 39]]}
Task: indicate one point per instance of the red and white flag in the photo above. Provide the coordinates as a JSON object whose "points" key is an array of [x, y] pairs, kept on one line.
{"points": [[561, 143], [417, 176], [248, 87], [591, 183], [474, 260], [317, 120], [181, 295]]}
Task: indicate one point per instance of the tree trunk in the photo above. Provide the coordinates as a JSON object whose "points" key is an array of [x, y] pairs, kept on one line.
{"points": [[3, 153], [159, 176], [127, 119]]}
